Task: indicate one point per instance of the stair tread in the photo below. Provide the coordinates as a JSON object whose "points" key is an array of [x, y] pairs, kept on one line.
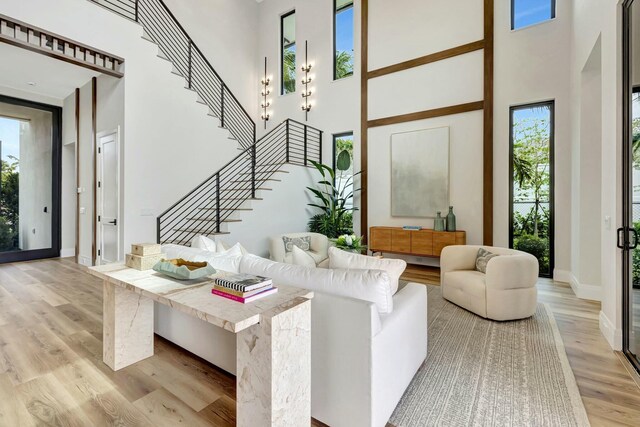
{"points": [[213, 220], [257, 179], [226, 209], [226, 190], [264, 172], [209, 233]]}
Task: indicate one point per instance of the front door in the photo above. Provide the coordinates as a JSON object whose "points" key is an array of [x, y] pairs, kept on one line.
{"points": [[108, 198]]}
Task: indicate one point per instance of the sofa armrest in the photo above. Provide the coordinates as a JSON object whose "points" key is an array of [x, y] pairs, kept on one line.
{"points": [[341, 361], [458, 257], [320, 244], [512, 271]]}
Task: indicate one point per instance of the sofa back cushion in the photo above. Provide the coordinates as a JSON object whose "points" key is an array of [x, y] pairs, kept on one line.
{"points": [[368, 285], [349, 260]]}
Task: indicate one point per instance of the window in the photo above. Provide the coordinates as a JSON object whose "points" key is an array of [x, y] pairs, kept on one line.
{"points": [[531, 12], [342, 38], [343, 151], [288, 52], [531, 188]]}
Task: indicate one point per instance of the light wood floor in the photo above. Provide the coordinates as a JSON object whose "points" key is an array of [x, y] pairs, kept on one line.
{"points": [[51, 370]]}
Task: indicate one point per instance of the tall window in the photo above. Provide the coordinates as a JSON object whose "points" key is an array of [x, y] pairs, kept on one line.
{"points": [[342, 38], [531, 192], [288, 52], [531, 12], [343, 163]]}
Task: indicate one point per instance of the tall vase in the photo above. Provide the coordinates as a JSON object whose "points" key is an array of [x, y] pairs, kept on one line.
{"points": [[451, 220], [438, 223]]}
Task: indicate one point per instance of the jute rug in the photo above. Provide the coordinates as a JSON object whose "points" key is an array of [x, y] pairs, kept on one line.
{"points": [[484, 373]]}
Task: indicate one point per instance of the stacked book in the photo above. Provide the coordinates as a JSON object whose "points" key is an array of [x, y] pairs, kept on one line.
{"points": [[243, 288]]}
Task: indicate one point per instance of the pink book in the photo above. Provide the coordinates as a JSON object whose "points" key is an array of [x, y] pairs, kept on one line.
{"points": [[247, 299]]}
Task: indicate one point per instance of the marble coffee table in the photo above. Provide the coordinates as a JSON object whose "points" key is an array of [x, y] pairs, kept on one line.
{"points": [[273, 337]]}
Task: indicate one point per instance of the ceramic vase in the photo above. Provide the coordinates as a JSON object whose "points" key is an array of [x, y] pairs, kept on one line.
{"points": [[438, 223], [451, 220]]}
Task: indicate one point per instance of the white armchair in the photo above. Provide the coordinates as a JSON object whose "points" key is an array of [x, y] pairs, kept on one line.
{"points": [[318, 250], [506, 292]]}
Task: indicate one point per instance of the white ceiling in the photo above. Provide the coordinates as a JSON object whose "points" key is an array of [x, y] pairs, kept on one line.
{"points": [[53, 78]]}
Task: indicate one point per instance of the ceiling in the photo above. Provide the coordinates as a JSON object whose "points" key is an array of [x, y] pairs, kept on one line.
{"points": [[52, 77]]}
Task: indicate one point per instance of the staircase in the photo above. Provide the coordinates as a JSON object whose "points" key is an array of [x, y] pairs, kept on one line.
{"points": [[216, 202]]}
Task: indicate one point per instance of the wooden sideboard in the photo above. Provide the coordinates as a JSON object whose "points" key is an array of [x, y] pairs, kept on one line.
{"points": [[425, 242]]}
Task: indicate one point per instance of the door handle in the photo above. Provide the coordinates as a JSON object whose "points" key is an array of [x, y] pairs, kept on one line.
{"points": [[634, 233], [621, 242], [114, 222]]}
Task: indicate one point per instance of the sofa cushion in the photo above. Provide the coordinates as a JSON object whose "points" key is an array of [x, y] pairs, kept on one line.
{"points": [[482, 259], [303, 243], [300, 257], [368, 285], [349, 260], [204, 242], [226, 261]]}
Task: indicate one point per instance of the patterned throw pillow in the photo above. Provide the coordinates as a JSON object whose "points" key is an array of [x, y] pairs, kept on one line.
{"points": [[303, 243], [482, 259]]}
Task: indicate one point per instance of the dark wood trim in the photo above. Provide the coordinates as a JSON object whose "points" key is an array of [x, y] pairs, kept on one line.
{"points": [[427, 59], [77, 116], [427, 114], [94, 132], [58, 55], [364, 115], [487, 145]]}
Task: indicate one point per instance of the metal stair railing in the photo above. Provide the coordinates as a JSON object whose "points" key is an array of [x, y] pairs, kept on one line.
{"points": [[208, 206], [163, 28]]}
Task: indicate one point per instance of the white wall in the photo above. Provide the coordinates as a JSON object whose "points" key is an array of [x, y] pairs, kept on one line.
{"points": [[225, 31], [594, 19]]}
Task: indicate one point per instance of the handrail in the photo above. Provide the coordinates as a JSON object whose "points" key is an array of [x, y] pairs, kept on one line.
{"points": [[204, 209], [173, 40]]}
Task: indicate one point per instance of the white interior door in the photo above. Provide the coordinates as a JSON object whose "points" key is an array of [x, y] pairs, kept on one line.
{"points": [[108, 197]]}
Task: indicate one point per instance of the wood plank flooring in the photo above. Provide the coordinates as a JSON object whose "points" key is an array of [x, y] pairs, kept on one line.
{"points": [[51, 370]]}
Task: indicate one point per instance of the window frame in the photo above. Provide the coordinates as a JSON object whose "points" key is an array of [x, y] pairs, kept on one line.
{"points": [[335, 14], [552, 126], [282, 49], [513, 16]]}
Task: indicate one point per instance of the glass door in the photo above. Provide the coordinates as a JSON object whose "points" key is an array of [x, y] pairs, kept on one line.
{"points": [[29, 180], [628, 233]]}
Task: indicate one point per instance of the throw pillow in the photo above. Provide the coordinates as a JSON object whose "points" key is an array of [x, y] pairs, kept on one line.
{"points": [[204, 242], [222, 246], [351, 261], [482, 259], [303, 243], [301, 257]]}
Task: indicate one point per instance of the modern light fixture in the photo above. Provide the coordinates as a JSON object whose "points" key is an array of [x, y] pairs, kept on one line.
{"points": [[31, 83], [306, 93], [266, 81]]}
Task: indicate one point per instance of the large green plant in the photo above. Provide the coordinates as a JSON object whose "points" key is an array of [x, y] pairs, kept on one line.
{"points": [[335, 218]]}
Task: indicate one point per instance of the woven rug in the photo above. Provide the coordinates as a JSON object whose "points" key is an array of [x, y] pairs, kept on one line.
{"points": [[484, 373]]}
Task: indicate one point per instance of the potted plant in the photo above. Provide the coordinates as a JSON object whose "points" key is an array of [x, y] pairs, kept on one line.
{"points": [[350, 243], [336, 217]]}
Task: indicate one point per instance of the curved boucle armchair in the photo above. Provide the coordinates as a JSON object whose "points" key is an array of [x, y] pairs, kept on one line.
{"points": [[319, 248], [506, 292]]}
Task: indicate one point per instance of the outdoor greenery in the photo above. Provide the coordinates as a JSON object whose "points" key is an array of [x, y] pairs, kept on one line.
{"points": [[531, 176], [289, 70], [344, 64], [336, 217], [9, 213]]}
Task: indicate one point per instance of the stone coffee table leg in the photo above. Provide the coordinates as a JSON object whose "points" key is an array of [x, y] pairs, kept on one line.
{"points": [[274, 368], [127, 327]]}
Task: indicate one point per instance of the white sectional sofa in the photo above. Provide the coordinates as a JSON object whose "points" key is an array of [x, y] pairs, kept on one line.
{"points": [[367, 343]]}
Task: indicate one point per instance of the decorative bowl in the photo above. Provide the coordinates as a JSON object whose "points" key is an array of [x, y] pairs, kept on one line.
{"points": [[183, 270]]}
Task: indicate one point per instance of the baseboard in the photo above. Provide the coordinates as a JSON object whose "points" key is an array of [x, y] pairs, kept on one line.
{"points": [[611, 334], [582, 290], [84, 260], [68, 252]]}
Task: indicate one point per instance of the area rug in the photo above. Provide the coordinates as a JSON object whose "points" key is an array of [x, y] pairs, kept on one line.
{"points": [[484, 373]]}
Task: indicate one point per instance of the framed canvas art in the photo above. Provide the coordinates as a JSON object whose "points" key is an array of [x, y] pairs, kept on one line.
{"points": [[420, 173]]}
